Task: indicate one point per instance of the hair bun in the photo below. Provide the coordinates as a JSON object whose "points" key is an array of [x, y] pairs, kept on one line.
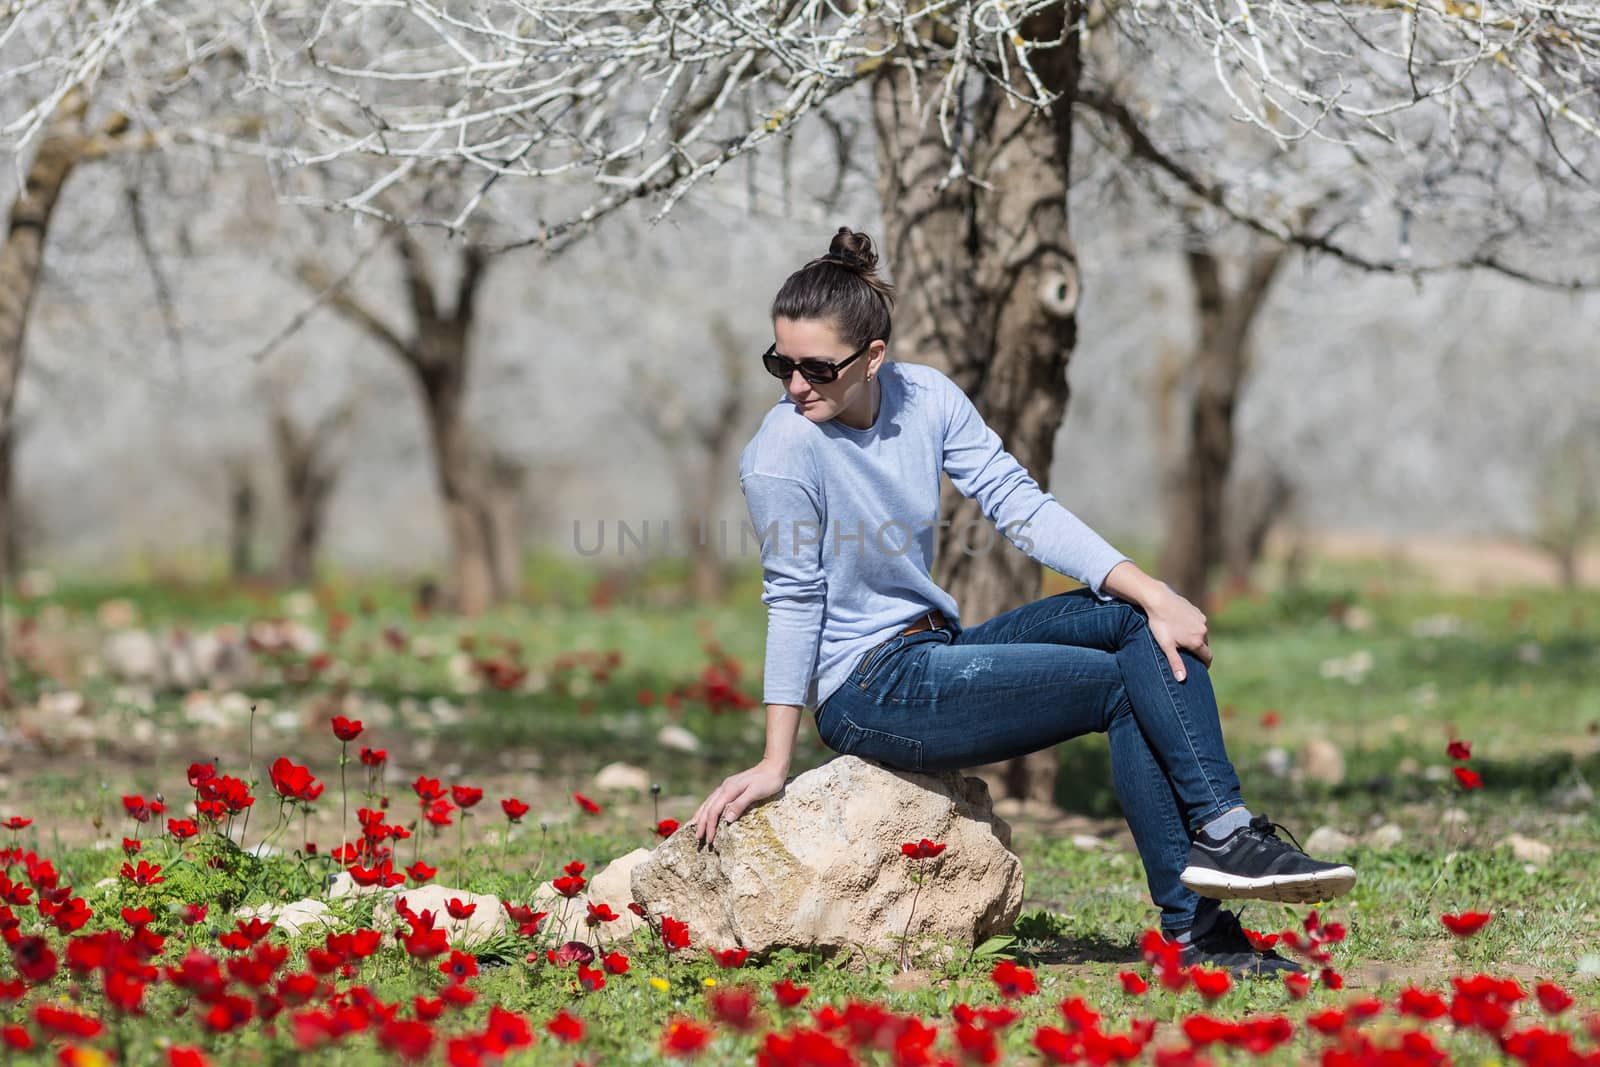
{"points": [[852, 250]]}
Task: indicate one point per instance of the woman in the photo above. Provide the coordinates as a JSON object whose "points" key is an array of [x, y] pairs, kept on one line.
{"points": [[842, 483]]}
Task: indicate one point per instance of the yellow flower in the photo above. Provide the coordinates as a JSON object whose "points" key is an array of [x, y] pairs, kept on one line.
{"points": [[660, 983], [709, 982]]}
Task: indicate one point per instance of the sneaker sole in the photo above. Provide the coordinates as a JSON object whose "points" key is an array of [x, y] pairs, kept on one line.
{"points": [[1286, 888]]}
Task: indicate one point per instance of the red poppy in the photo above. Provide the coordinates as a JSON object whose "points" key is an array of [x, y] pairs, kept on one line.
{"points": [[1298, 985], [788, 994], [457, 909], [294, 782], [1461, 750], [569, 886], [1331, 978], [182, 829], [564, 1027], [427, 1010], [406, 1038], [1210, 984], [1552, 998], [146, 874], [136, 807], [1467, 923], [194, 913], [684, 1038], [438, 813], [504, 1031], [600, 913], [1420, 1003], [17, 822], [733, 1006], [33, 959], [921, 850], [182, 1056], [465, 796], [16, 1037], [674, 934], [591, 978], [67, 1023], [137, 916], [346, 729], [1468, 779], [666, 827], [421, 872], [1270, 719], [1132, 984], [427, 789], [514, 809], [615, 963], [131, 846], [575, 868], [586, 804], [460, 966], [374, 757], [730, 957], [1013, 981]]}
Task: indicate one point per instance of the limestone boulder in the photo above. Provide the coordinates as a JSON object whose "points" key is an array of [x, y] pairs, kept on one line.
{"points": [[820, 865], [488, 918], [294, 917]]}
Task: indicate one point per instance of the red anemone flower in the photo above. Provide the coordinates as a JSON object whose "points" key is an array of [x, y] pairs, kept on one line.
{"points": [[514, 809], [1467, 923], [346, 729]]}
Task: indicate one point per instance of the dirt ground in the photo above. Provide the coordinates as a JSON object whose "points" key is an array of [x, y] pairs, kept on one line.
{"points": [[1456, 565]]}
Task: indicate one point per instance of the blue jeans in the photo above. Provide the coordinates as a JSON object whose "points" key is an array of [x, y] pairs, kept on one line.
{"points": [[1048, 671]]}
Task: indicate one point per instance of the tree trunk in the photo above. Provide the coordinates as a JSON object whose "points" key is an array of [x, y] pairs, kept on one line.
{"points": [[241, 520], [505, 519], [1219, 367], [439, 356], [21, 262], [988, 283], [310, 470]]}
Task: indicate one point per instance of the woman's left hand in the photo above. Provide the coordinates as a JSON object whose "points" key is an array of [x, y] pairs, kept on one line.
{"points": [[1175, 623]]}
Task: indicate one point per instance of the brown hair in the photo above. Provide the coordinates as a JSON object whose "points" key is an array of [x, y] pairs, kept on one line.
{"points": [[841, 287]]}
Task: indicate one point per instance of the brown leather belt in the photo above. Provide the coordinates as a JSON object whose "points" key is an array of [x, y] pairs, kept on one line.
{"points": [[931, 620]]}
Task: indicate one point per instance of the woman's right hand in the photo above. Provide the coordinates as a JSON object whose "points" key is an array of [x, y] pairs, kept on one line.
{"points": [[734, 796]]}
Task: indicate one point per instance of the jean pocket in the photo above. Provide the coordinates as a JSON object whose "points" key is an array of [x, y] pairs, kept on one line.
{"points": [[874, 659], [891, 750]]}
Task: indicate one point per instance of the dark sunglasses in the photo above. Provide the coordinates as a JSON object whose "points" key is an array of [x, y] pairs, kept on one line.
{"points": [[815, 371]]}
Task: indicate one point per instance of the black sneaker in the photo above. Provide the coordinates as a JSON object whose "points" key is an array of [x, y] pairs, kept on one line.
{"points": [[1226, 947], [1253, 862]]}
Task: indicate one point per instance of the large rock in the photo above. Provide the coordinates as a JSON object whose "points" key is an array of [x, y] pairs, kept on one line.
{"points": [[820, 865], [486, 920], [294, 917]]}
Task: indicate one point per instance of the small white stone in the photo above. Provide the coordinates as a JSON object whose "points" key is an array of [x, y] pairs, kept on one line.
{"points": [[1528, 850], [622, 776], [1386, 836], [677, 738], [1087, 842], [1326, 841]]}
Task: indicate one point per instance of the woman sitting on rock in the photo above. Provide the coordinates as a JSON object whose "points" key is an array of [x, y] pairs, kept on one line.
{"points": [[842, 483]]}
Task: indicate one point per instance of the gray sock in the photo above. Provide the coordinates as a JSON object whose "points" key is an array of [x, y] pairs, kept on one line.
{"points": [[1227, 823]]}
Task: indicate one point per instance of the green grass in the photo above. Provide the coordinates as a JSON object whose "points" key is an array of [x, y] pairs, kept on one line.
{"points": [[1518, 675]]}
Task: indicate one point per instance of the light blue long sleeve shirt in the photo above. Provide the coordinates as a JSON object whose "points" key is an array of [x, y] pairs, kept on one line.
{"points": [[846, 519]]}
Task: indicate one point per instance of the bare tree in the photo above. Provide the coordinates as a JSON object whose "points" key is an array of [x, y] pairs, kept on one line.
{"points": [[1430, 107], [1568, 499], [437, 351], [1218, 366], [699, 448], [243, 515], [310, 456]]}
